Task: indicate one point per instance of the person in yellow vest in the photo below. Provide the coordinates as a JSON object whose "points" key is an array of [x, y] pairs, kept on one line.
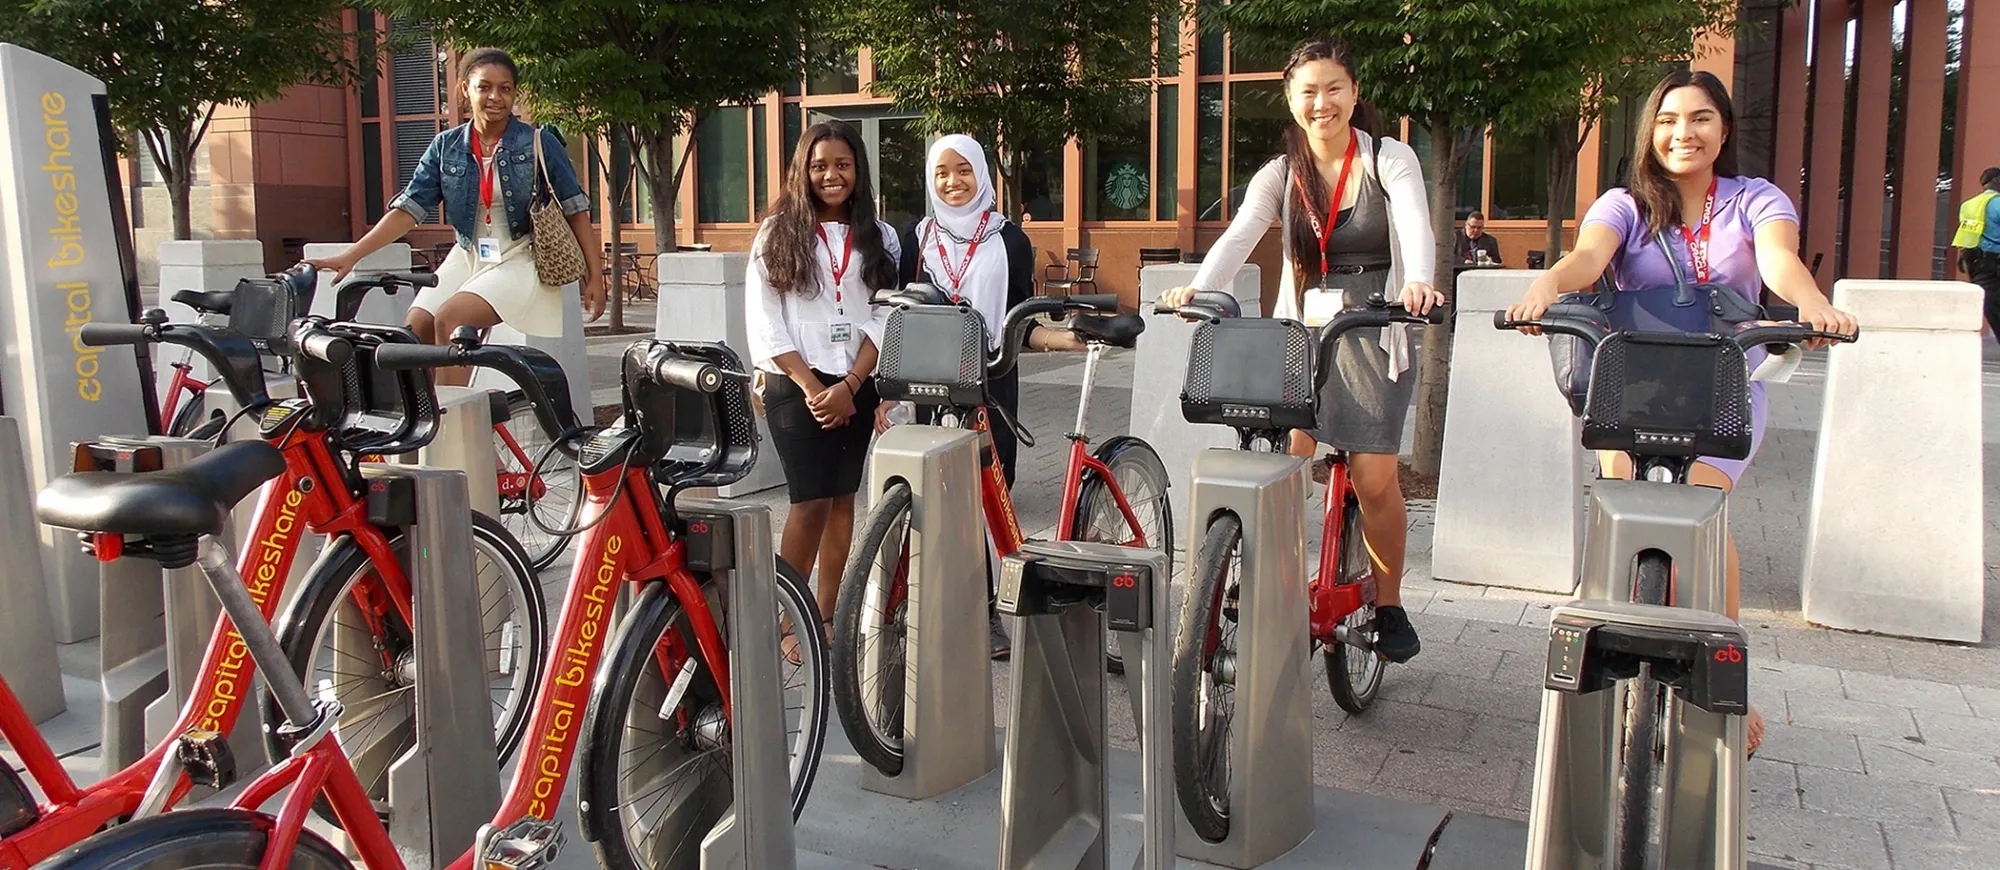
{"points": [[1978, 242]]}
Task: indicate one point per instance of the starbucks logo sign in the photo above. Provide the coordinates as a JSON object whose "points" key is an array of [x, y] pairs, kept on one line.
{"points": [[1125, 186]]}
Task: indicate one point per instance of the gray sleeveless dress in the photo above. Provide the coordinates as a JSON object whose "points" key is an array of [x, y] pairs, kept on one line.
{"points": [[1361, 409]]}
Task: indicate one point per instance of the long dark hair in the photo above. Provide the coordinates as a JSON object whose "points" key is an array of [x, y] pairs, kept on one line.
{"points": [[789, 263], [1306, 269], [1651, 187]]}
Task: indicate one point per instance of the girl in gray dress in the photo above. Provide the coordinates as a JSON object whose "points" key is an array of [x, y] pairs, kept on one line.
{"points": [[1355, 222]]}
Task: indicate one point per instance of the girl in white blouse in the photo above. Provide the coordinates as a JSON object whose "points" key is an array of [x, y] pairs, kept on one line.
{"points": [[1377, 239], [813, 339]]}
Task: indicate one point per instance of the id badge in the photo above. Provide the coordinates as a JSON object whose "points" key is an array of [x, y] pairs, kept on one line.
{"points": [[489, 249], [1321, 305], [843, 332]]}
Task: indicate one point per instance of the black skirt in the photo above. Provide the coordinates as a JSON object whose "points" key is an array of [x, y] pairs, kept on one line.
{"points": [[819, 463]]}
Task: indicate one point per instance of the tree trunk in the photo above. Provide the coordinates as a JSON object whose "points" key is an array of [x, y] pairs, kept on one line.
{"points": [[1447, 157], [1563, 144], [620, 182], [662, 179], [180, 181]]}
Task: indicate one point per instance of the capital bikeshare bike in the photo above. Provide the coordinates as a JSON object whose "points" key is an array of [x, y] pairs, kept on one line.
{"points": [[1262, 377], [1665, 400], [935, 353]]}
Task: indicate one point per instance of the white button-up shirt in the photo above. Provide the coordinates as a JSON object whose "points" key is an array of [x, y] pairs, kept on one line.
{"points": [[805, 322]]}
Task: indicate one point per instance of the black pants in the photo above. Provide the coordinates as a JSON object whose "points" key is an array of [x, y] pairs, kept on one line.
{"points": [[1984, 270]]}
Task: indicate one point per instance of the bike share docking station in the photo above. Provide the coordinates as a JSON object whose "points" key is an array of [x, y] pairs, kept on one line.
{"points": [[1054, 802]]}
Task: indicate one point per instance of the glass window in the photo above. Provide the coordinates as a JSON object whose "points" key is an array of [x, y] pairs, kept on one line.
{"points": [[1208, 52], [1116, 183], [1245, 58], [1042, 181], [1614, 142], [760, 176], [1169, 44], [795, 126], [724, 192], [1208, 152], [621, 155], [1166, 192], [1471, 176], [371, 171], [1257, 120], [900, 184], [1520, 180], [844, 76], [371, 79]]}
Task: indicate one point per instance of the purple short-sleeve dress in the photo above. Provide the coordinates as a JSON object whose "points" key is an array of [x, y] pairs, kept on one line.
{"points": [[1742, 205]]}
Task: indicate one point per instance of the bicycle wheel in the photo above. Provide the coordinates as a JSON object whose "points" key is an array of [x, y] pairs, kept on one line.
{"points": [[870, 631], [1142, 478], [350, 644], [1204, 682], [208, 839], [1639, 760], [558, 487], [188, 417], [657, 771], [1354, 673]]}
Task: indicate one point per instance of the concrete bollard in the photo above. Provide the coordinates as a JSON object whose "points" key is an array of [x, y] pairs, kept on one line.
{"points": [[701, 299], [1894, 531], [379, 307], [1510, 489], [213, 264], [1160, 367]]}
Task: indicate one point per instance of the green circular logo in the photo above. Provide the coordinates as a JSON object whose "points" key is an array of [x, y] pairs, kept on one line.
{"points": [[1125, 186]]}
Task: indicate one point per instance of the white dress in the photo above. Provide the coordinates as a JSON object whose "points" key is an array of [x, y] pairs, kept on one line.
{"points": [[509, 283]]}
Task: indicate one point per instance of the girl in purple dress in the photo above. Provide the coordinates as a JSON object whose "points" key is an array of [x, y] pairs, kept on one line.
{"points": [[1732, 230]]}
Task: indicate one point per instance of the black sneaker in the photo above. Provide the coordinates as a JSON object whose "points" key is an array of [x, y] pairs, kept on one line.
{"points": [[1395, 638], [1002, 646]]}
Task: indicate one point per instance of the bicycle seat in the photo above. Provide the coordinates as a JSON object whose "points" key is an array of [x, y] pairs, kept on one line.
{"points": [[205, 301], [194, 499], [1120, 331]]}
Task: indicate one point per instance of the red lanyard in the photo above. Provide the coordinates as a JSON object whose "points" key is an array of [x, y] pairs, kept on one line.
{"points": [[840, 268], [957, 275], [1325, 231], [1697, 238], [485, 174]]}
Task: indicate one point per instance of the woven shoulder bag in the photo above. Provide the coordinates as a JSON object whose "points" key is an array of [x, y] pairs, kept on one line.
{"points": [[558, 257]]}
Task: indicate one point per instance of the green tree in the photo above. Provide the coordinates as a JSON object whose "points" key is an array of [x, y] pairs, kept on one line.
{"points": [[651, 70], [1030, 74], [1598, 52], [168, 64]]}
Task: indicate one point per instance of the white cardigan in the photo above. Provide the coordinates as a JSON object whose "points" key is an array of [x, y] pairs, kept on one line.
{"points": [[1412, 245]]}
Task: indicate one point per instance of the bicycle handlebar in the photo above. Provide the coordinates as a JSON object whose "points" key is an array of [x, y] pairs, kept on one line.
{"points": [[1588, 323], [348, 296], [539, 376], [1211, 305], [234, 357]]}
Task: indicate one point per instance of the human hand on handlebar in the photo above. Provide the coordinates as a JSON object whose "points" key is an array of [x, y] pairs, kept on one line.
{"points": [[1534, 303], [1176, 297], [1821, 315], [1419, 298], [339, 264]]}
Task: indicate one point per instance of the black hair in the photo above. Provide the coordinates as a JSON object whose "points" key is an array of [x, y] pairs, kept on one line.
{"points": [[1306, 269], [789, 263]]}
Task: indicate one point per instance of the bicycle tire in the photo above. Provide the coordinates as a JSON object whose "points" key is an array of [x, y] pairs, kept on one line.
{"points": [[1354, 675], [1639, 761], [630, 690], [203, 839], [1149, 475], [543, 549], [188, 416], [1204, 801], [333, 580], [880, 747]]}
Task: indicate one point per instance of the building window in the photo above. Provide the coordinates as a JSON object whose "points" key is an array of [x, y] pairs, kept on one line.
{"points": [[723, 195], [1471, 177], [1258, 117], [1245, 59], [1208, 151], [760, 175], [1168, 45], [1520, 191], [1117, 183], [1166, 193], [418, 84], [371, 85], [844, 76], [371, 172], [1042, 181]]}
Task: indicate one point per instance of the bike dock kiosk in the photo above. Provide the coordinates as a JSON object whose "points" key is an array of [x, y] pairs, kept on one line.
{"points": [[27, 639], [1054, 801], [757, 832], [1601, 638], [448, 782], [1270, 790], [154, 624], [948, 708], [1700, 809]]}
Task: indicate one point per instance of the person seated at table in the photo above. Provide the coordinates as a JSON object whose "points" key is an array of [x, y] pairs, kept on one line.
{"points": [[1475, 239]]}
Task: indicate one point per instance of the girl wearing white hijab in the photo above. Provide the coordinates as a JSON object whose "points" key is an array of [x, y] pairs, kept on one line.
{"points": [[967, 249]]}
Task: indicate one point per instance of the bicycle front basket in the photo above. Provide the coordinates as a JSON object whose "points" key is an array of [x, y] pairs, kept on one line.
{"points": [[933, 355], [262, 310], [1670, 394], [1251, 373], [693, 438]]}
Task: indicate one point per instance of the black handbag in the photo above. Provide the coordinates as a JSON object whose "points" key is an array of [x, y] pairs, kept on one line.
{"points": [[1705, 307]]}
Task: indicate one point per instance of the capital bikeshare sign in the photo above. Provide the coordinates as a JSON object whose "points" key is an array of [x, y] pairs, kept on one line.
{"points": [[59, 269]]}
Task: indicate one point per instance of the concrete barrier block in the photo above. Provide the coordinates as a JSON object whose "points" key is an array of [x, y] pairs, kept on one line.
{"points": [[215, 264], [379, 307], [1160, 369], [1510, 489], [701, 299], [1894, 532]]}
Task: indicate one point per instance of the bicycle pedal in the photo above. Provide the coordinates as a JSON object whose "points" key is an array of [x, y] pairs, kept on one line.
{"points": [[206, 757], [527, 844]]}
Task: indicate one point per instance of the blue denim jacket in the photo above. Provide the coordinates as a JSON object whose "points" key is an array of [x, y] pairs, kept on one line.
{"points": [[447, 174]]}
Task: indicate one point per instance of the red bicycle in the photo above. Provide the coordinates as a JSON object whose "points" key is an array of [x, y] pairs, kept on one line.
{"points": [[1116, 494], [1341, 591]]}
